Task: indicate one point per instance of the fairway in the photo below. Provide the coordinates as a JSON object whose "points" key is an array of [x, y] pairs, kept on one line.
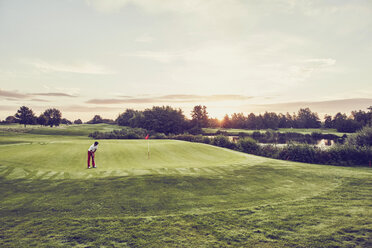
{"points": [[184, 195]]}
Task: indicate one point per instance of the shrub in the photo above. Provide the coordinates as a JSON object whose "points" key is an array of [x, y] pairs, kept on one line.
{"points": [[349, 155], [348, 126], [361, 138], [223, 141], [248, 145], [256, 135], [221, 132], [269, 151], [125, 133], [206, 140], [158, 136], [300, 153]]}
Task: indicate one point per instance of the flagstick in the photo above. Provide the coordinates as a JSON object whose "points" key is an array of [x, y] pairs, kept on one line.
{"points": [[148, 149]]}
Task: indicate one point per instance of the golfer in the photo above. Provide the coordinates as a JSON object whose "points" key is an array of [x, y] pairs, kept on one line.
{"points": [[92, 149]]}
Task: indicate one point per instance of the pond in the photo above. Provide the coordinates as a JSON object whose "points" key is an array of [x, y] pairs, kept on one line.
{"points": [[321, 143]]}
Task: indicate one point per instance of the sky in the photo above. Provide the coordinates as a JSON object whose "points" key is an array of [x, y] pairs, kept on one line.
{"points": [[88, 57]]}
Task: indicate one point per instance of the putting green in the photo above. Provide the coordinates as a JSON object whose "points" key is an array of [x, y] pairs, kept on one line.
{"points": [[68, 158]]}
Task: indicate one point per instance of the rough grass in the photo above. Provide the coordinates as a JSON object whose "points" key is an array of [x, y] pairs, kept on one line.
{"points": [[186, 195]]}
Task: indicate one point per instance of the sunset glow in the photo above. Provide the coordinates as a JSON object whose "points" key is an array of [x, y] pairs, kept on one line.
{"points": [[90, 57]]}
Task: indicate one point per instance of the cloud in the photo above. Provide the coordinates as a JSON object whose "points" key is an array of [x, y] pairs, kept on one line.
{"points": [[306, 68], [80, 67], [52, 94], [171, 99], [38, 100], [12, 94], [15, 95], [81, 108]]}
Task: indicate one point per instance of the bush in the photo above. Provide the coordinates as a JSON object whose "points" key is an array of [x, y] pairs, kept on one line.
{"points": [[348, 155], [223, 141], [299, 153], [158, 136], [125, 133], [248, 145], [206, 140], [257, 135], [348, 126], [269, 151], [361, 138]]}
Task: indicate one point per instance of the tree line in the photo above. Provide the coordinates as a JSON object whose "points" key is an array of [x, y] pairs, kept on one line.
{"points": [[26, 116], [304, 118], [166, 119]]}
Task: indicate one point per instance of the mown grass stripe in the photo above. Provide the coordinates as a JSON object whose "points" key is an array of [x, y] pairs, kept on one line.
{"points": [[30, 173], [54, 175], [7, 171], [42, 175]]}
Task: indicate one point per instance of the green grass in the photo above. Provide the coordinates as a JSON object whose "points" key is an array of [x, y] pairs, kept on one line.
{"points": [[185, 195], [234, 131], [67, 130]]}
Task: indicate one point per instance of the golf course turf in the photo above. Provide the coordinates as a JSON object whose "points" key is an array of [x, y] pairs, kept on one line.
{"points": [[185, 195]]}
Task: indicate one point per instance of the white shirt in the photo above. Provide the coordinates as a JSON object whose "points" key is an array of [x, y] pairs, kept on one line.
{"points": [[93, 148]]}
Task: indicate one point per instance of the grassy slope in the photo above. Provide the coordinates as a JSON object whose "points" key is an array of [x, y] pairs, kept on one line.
{"points": [[186, 195], [69, 155], [68, 130]]}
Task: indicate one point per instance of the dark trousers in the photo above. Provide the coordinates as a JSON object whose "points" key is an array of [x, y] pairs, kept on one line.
{"points": [[91, 155]]}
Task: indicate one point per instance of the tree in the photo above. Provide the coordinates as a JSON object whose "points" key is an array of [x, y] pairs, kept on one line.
{"points": [[251, 121], [199, 117], [78, 122], [362, 117], [54, 117], [130, 117], [271, 120], [344, 124], [259, 122], [290, 120], [283, 122], [307, 119], [66, 122], [108, 121], [328, 121], [10, 119], [214, 123], [96, 119], [164, 120], [348, 126], [338, 119], [42, 120], [226, 123], [238, 120], [25, 116]]}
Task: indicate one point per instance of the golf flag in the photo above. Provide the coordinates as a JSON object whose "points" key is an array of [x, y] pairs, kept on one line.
{"points": [[148, 146]]}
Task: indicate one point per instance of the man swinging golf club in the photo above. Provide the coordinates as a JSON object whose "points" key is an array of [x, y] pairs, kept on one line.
{"points": [[92, 149]]}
